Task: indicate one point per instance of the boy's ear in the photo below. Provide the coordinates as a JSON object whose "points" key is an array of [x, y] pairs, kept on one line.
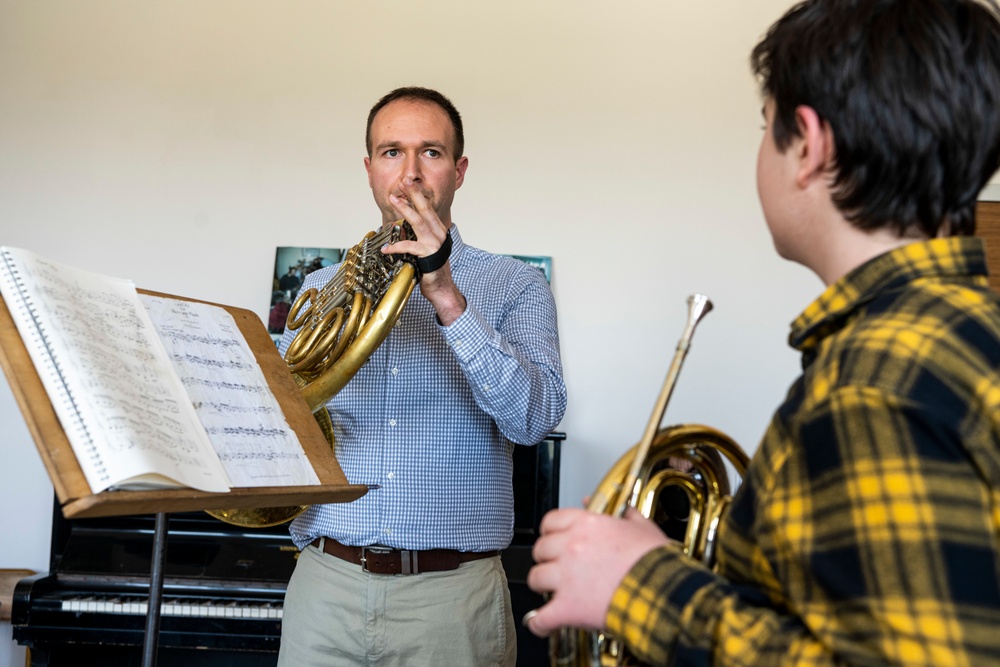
{"points": [[815, 147]]}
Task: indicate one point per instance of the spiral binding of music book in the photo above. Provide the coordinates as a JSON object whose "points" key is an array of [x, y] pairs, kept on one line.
{"points": [[33, 332]]}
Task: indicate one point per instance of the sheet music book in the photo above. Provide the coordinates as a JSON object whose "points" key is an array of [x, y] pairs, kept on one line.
{"points": [[151, 392]]}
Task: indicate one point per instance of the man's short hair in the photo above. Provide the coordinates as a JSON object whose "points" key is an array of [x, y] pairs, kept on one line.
{"points": [[424, 95], [911, 90]]}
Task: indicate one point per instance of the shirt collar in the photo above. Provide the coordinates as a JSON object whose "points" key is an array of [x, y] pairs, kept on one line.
{"points": [[457, 245], [944, 257]]}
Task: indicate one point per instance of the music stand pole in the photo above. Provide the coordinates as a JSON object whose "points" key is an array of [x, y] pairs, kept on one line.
{"points": [[150, 641]]}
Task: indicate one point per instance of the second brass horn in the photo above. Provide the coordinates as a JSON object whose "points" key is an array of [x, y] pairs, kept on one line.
{"points": [[690, 458], [339, 326]]}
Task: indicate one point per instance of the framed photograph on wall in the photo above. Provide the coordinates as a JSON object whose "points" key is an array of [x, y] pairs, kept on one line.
{"points": [[543, 264], [291, 266]]}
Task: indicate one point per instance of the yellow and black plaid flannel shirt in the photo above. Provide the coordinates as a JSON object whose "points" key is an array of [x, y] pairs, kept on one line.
{"points": [[867, 530]]}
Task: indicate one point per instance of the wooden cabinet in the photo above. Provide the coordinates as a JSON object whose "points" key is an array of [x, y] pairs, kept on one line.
{"points": [[988, 227]]}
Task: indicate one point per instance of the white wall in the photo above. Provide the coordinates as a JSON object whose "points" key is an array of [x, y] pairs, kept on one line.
{"points": [[179, 143]]}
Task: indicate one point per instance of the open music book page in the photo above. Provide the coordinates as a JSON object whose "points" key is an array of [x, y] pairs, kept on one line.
{"points": [[120, 397], [230, 394]]}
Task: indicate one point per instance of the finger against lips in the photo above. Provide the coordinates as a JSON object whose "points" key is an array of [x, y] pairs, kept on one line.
{"points": [[414, 192], [400, 200]]}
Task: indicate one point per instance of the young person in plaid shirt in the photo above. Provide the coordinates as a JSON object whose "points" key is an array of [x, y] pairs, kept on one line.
{"points": [[867, 530]]}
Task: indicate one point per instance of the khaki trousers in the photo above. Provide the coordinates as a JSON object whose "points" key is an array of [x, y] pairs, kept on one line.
{"points": [[337, 615]]}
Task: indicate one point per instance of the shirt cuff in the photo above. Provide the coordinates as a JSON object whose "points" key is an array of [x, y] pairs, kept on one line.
{"points": [[645, 610], [466, 335]]}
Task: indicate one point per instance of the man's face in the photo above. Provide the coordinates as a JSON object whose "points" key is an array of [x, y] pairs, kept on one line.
{"points": [[414, 139]]}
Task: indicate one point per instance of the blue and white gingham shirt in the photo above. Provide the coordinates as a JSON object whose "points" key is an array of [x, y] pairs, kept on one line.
{"points": [[433, 415]]}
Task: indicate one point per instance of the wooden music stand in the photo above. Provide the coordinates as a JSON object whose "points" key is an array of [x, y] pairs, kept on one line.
{"points": [[74, 493]]}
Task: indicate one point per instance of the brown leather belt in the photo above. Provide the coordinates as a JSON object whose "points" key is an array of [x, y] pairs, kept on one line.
{"points": [[385, 560]]}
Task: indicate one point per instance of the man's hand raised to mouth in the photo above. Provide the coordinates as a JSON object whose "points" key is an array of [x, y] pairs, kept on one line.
{"points": [[437, 284]]}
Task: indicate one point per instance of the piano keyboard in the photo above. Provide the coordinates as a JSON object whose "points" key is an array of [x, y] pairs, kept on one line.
{"points": [[184, 607]]}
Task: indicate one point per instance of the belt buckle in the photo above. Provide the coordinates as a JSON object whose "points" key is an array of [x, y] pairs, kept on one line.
{"points": [[374, 550]]}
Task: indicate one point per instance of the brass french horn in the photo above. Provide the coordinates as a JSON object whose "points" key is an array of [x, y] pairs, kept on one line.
{"points": [[340, 326], [686, 461]]}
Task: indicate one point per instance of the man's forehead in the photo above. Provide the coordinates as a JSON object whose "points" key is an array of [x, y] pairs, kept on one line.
{"points": [[412, 113]]}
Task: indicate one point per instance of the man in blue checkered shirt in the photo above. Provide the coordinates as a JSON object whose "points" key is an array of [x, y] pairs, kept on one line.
{"points": [[410, 573]]}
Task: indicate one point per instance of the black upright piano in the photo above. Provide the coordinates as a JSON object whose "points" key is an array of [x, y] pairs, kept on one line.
{"points": [[223, 584]]}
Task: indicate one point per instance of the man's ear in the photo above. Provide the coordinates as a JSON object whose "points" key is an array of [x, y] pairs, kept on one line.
{"points": [[460, 166], [815, 147]]}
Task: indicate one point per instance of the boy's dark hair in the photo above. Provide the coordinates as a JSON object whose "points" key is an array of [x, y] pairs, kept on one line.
{"points": [[911, 90], [425, 95]]}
